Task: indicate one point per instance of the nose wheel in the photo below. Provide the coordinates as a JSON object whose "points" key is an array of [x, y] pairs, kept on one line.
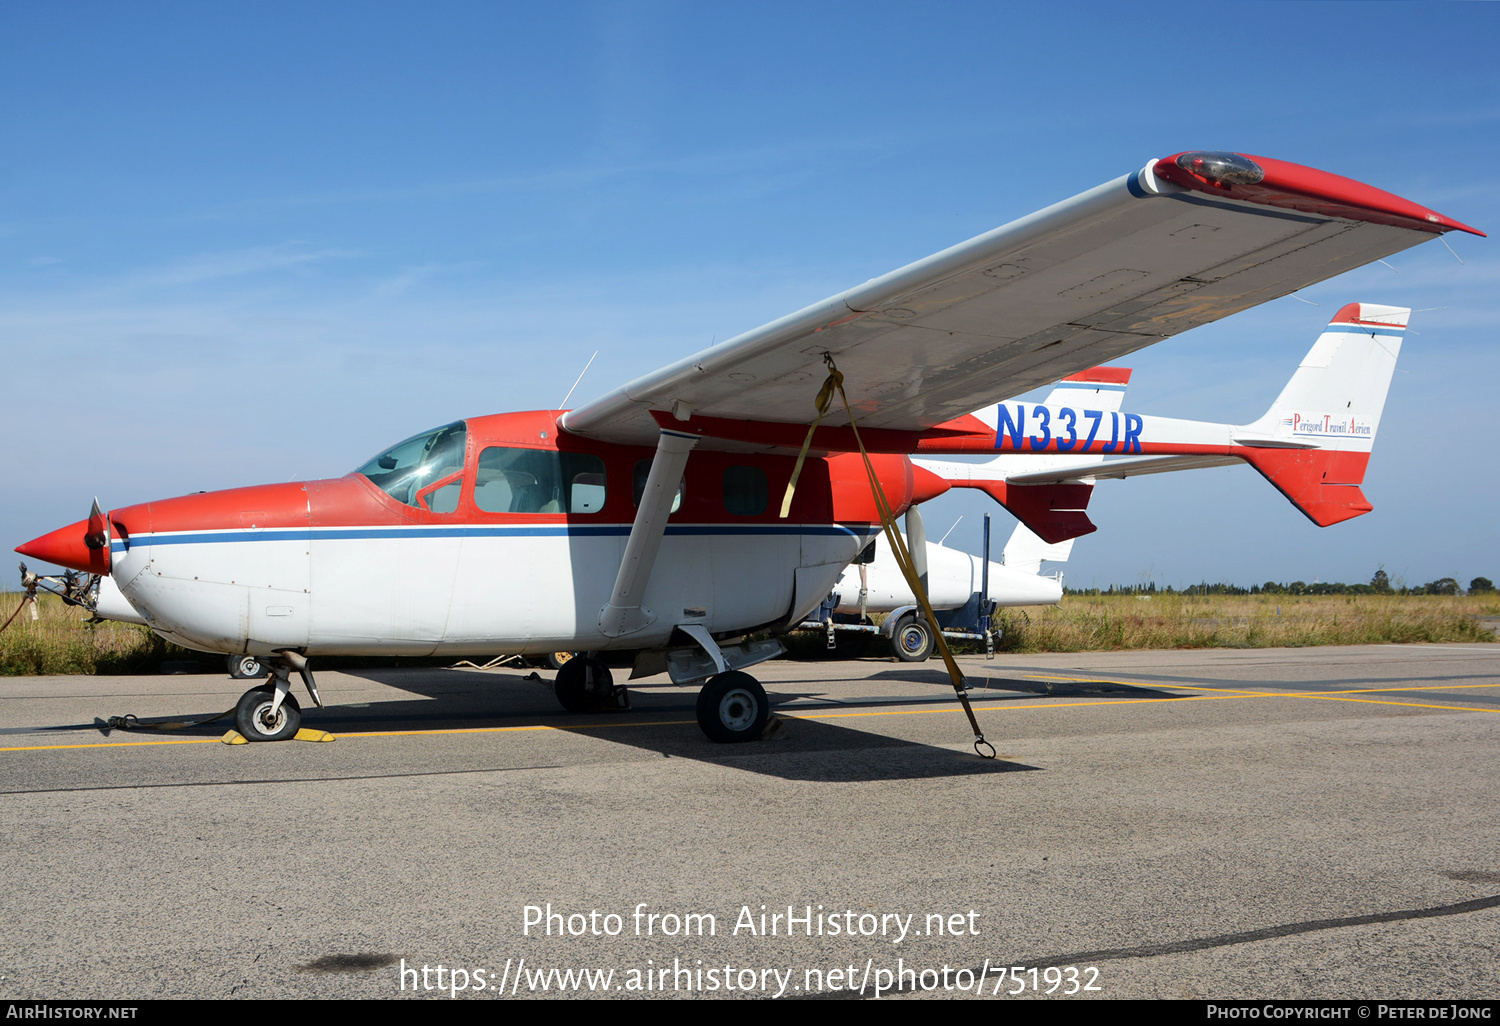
{"points": [[733, 707], [259, 717]]}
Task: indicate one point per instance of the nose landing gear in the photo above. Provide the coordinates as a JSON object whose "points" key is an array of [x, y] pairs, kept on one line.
{"points": [[269, 712]]}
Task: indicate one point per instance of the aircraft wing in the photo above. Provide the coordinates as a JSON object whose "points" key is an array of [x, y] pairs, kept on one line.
{"points": [[1184, 241]]}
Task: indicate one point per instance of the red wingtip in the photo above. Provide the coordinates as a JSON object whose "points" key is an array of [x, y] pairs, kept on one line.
{"points": [[1295, 187]]}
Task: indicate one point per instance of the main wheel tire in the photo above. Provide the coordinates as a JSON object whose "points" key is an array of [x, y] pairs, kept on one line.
{"points": [[556, 659], [584, 685], [733, 707], [911, 641], [246, 667], [251, 716]]}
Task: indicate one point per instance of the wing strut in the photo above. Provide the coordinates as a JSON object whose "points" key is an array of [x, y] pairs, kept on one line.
{"points": [[624, 613]]}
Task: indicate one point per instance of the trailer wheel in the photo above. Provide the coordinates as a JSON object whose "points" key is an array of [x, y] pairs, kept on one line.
{"points": [[911, 641]]}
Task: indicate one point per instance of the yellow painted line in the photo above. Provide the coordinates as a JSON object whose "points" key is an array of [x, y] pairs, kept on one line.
{"points": [[118, 744], [1253, 691], [1414, 705], [364, 733], [503, 730]]}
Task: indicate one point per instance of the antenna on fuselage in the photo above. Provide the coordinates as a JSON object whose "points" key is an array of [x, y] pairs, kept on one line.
{"points": [[580, 378], [950, 531]]}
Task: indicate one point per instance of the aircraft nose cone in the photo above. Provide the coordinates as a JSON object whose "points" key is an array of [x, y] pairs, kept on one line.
{"points": [[66, 547], [926, 485]]}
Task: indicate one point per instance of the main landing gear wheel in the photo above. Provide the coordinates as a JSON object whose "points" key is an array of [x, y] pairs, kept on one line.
{"points": [[584, 685], [556, 659], [733, 707], [911, 642], [253, 719], [247, 667]]}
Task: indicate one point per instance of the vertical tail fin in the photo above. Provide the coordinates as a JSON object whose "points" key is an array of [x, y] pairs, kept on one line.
{"points": [[1098, 388], [1025, 551], [1314, 442], [1338, 392]]}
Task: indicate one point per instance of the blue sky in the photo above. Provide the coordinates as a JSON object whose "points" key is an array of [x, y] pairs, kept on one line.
{"points": [[256, 243]]}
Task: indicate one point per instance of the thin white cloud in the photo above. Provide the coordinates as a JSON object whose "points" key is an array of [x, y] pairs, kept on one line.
{"points": [[231, 264]]}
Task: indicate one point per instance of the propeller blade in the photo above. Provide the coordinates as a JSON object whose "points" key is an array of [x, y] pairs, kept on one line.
{"points": [[916, 541]]}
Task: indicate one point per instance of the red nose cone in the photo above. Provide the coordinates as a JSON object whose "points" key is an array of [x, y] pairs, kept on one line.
{"points": [[66, 547]]}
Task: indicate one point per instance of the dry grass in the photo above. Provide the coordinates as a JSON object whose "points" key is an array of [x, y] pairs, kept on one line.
{"points": [[1111, 622], [60, 642]]}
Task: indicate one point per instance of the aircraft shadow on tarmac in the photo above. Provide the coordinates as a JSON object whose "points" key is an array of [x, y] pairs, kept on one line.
{"points": [[661, 720], [982, 683]]}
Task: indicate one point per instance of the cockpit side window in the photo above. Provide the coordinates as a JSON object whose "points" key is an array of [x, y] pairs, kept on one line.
{"points": [[538, 481], [638, 477], [403, 471]]}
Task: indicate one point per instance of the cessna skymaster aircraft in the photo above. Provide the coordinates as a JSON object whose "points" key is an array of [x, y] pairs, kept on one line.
{"points": [[592, 530]]}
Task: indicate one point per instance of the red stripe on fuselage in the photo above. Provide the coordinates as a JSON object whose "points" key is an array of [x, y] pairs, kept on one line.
{"points": [[833, 490]]}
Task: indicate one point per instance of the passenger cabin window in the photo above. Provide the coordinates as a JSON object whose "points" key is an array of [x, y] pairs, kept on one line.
{"points": [[408, 472], [442, 498], [638, 478], [538, 481], [746, 491]]}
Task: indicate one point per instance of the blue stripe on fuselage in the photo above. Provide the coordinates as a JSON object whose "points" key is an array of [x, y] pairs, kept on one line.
{"points": [[488, 531]]}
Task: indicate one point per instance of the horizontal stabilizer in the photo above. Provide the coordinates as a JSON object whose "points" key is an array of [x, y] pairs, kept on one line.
{"points": [[1119, 470], [1055, 512]]}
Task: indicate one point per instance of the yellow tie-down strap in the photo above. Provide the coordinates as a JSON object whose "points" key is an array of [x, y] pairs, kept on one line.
{"points": [[835, 382]]}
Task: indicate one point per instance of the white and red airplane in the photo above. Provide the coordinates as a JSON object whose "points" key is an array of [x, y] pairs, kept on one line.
{"points": [[593, 530], [1313, 443]]}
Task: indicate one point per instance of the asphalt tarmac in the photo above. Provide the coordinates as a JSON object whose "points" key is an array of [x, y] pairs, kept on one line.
{"points": [[1310, 823]]}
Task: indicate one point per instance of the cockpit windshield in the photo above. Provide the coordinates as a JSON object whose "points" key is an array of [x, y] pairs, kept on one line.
{"points": [[403, 471]]}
